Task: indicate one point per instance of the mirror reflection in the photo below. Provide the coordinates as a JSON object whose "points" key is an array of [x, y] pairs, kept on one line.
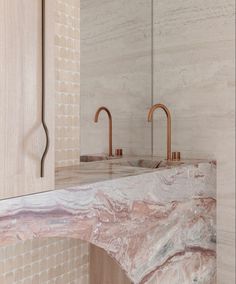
{"points": [[116, 73]]}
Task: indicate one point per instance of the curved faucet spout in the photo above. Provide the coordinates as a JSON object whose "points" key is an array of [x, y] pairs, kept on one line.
{"points": [[168, 115], [110, 125]]}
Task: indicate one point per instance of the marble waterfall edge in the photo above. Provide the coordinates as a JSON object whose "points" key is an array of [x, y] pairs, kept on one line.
{"points": [[160, 226]]}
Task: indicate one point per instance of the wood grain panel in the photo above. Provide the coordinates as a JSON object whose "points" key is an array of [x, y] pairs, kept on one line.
{"points": [[22, 139], [104, 270]]}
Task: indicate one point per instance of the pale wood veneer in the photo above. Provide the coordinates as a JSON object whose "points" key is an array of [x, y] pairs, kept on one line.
{"points": [[22, 138]]}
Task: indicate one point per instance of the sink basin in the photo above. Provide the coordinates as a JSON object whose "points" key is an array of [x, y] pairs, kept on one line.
{"points": [[150, 164], [90, 158], [141, 163], [95, 158]]}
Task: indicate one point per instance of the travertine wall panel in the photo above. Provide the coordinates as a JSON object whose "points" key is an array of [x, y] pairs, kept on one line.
{"points": [[195, 78]]}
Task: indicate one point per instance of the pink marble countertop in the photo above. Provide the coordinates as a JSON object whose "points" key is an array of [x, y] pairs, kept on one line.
{"points": [[115, 168], [158, 224]]}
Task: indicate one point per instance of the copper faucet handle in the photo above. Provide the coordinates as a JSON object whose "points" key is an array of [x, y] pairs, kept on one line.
{"points": [[119, 152], [176, 156]]}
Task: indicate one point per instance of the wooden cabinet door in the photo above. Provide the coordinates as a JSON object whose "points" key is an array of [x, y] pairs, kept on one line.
{"points": [[22, 138]]}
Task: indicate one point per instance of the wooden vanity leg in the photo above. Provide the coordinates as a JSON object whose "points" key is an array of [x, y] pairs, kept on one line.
{"points": [[104, 270]]}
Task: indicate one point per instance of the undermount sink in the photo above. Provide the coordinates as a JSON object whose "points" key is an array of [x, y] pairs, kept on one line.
{"points": [[139, 163], [95, 158], [91, 158], [150, 164], [142, 163]]}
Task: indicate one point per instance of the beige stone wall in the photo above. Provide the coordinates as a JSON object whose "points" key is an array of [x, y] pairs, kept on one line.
{"points": [[48, 261], [195, 78], [67, 43]]}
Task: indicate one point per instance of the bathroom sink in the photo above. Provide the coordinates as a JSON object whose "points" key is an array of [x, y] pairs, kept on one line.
{"points": [[91, 158], [141, 163], [95, 158], [150, 164]]}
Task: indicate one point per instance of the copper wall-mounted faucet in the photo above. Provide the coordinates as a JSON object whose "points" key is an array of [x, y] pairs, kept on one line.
{"points": [[167, 112], [110, 125]]}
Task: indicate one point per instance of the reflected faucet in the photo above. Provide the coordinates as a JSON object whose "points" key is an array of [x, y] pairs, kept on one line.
{"points": [[110, 125], [168, 115]]}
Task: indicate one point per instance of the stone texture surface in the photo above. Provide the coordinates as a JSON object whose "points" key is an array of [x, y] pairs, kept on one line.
{"points": [[195, 78], [148, 222]]}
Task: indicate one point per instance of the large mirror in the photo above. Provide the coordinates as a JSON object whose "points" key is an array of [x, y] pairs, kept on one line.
{"points": [[116, 72]]}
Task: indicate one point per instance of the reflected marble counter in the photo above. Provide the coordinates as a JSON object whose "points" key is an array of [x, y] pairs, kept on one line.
{"points": [[158, 224]]}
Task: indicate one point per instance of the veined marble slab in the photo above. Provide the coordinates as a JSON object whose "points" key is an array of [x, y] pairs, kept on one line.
{"points": [[159, 225], [112, 168]]}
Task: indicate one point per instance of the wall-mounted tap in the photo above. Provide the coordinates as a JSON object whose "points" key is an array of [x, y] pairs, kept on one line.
{"points": [[168, 115], [110, 125]]}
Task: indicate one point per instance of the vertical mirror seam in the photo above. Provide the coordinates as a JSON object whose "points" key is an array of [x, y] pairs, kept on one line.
{"points": [[152, 69]]}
